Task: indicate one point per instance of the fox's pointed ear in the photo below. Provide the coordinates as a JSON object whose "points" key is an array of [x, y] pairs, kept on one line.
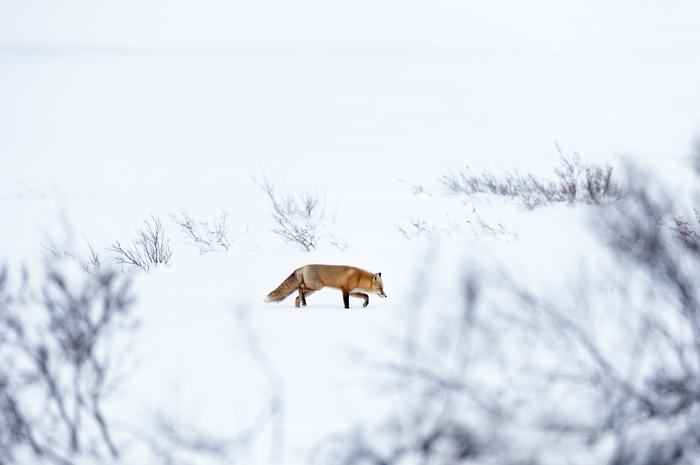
{"points": [[380, 275]]}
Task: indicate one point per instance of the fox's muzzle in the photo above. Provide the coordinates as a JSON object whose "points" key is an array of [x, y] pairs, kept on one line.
{"points": [[381, 293]]}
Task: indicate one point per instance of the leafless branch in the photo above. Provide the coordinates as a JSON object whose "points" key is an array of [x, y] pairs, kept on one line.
{"points": [[208, 236], [55, 346], [149, 248], [91, 263], [297, 217], [605, 368], [574, 182]]}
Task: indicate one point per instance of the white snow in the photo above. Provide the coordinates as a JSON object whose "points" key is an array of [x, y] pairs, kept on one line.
{"points": [[114, 111]]}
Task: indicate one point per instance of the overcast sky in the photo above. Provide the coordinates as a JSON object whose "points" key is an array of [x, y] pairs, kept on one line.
{"points": [[541, 26], [311, 87]]}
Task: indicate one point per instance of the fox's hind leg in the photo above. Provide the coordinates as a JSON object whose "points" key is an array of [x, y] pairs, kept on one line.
{"points": [[301, 298], [360, 295]]}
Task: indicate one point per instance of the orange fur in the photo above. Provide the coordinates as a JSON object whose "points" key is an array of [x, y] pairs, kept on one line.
{"points": [[312, 278]]}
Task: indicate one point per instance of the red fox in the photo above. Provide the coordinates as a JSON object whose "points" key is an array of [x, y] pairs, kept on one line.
{"points": [[311, 278]]}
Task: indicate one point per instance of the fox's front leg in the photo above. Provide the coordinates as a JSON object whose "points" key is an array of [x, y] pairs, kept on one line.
{"points": [[361, 295], [346, 299]]}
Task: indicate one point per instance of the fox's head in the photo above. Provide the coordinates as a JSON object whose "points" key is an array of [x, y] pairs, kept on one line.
{"points": [[378, 285]]}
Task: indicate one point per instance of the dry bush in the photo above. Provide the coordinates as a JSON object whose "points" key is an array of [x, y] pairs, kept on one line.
{"points": [[415, 189], [208, 236], [90, 263], [57, 365], [150, 247], [605, 370], [574, 182], [64, 339], [414, 228], [298, 218], [417, 227], [426, 379], [686, 233]]}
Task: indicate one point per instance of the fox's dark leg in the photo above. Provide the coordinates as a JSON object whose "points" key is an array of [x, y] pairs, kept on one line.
{"points": [[360, 295], [308, 292], [301, 296], [302, 300], [346, 299]]}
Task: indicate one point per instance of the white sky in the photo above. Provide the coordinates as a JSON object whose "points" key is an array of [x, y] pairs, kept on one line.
{"points": [[351, 95], [619, 27]]}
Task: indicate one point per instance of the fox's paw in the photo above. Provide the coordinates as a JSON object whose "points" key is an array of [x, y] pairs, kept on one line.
{"points": [[365, 303]]}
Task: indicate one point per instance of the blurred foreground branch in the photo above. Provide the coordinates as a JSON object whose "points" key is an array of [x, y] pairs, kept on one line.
{"points": [[57, 365]]}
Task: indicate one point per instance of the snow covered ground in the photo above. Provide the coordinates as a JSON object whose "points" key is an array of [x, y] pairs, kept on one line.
{"points": [[114, 111]]}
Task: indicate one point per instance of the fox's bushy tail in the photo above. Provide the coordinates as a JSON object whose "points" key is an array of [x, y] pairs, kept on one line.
{"points": [[288, 286]]}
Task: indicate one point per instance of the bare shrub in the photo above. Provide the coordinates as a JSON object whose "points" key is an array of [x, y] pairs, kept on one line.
{"points": [[208, 236], [149, 248], [482, 227], [339, 243], [443, 444], [414, 228], [607, 370], [297, 217], [574, 182], [64, 339], [415, 189], [429, 380], [94, 261], [90, 263], [418, 228], [57, 367], [686, 233]]}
